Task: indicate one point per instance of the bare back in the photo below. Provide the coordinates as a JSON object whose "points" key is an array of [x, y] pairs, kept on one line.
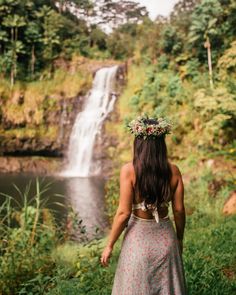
{"points": [[136, 199]]}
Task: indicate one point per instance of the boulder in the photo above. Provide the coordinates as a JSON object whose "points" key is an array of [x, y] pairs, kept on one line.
{"points": [[230, 204]]}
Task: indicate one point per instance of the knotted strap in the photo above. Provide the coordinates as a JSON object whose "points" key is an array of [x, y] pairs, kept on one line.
{"points": [[150, 207]]}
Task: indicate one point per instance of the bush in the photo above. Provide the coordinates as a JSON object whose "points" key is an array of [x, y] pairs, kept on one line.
{"points": [[217, 110]]}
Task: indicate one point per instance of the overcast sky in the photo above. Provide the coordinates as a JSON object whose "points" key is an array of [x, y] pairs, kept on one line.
{"points": [[156, 7]]}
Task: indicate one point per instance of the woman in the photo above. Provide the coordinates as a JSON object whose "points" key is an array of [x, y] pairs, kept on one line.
{"points": [[150, 261]]}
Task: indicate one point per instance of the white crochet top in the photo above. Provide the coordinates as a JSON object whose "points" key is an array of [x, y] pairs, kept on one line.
{"points": [[152, 208]]}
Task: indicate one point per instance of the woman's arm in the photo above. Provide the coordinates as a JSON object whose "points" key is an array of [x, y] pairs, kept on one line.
{"points": [[122, 214], [178, 208]]}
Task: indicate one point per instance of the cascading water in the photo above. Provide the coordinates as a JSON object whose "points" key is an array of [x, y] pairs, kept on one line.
{"points": [[99, 104]]}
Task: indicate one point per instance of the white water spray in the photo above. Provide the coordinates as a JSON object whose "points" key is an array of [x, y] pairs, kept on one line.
{"points": [[99, 104]]}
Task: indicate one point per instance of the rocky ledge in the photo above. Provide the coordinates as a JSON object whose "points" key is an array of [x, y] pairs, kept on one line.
{"points": [[35, 165]]}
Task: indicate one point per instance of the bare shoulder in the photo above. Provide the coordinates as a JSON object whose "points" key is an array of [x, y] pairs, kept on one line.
{"points": [[127, 169], [175, 170], [176, 177]]}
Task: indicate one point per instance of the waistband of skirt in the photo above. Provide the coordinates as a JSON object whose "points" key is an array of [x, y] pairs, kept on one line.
{"points": [[152, 220]]}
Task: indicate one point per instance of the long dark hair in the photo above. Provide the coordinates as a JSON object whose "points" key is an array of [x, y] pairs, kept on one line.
{"points": [[152, 170]]}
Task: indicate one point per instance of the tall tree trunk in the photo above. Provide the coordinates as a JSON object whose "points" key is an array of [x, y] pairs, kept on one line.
{"points": [[12, 65], [60, 6], [51, 61], [15, 56], [33, 59], [12, 76], [208, 46]]}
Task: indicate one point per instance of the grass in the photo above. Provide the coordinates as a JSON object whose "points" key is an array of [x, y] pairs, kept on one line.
{"points": [[209, 253], [28, 235], [68, 83]]}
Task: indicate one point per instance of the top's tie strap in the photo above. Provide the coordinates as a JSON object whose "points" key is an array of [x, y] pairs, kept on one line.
{"points": [[150, 207]]}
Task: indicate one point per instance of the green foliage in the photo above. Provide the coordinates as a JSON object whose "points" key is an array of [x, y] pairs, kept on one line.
{"points": [[208, 270], [174, 86], [120, 45], [98, 38], [33, 35], [204, 20], [89, 276], [218, 113], [163, 62], [209, 260], [192, 67], [93, 278], [51, 24], [160, 91], [227, 62], [112, 195], [28, 237], [211, 113], [170, 41]]}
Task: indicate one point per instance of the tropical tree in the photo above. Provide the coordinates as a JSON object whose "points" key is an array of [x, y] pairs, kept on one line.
{"points": [[181, 15], [33, 36], [3, 39], [117, 13], [14, 22], [204, 28], [82, 6], [51, 26], [120, 45]]}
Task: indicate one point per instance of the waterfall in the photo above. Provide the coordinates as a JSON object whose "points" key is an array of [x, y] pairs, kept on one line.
{"points": [[99, 103]]}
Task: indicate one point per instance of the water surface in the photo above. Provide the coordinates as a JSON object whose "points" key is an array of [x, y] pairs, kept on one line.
{"points": [[84, 195]]}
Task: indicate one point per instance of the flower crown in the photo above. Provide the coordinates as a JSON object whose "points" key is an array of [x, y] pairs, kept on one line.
{"points": [[145, 127]]}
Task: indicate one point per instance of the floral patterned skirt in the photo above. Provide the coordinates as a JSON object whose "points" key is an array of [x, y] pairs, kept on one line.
{"points": [[150, 262]]}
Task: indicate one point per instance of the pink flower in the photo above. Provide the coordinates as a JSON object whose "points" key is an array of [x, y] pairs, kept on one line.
{"points": [[149, 130], [139, 128]]}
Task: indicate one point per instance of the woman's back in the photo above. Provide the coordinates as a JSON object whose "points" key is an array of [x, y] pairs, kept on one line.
{"points": [[163, 209]]}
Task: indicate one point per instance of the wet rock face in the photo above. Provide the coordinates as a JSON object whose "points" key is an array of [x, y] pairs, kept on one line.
{"points": [[35, 165], [121, 76], [50, 138], [104, 142]]}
